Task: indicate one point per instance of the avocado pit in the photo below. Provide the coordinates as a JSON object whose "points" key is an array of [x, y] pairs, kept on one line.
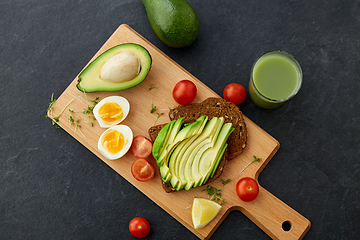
{"points": [[122, 67]]}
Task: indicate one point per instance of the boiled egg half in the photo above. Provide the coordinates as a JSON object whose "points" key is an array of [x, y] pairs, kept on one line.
{"points": [[115, 142], [111, 111]]}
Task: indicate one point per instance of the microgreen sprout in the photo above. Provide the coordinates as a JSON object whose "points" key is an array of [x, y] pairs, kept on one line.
{"points": [[95, 101], [51, 104], [225, 181], [215, 194], [255, 159], [153, 108], [75, 122], [88, 110], [50, 111], [158, 115], [71, 119]]}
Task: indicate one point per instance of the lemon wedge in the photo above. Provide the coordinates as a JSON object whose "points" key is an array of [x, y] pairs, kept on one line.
{"points": [[203, 211]]}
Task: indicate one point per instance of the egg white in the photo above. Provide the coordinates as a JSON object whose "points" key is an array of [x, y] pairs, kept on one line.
{"points": [[128, 138], [121, 101]]}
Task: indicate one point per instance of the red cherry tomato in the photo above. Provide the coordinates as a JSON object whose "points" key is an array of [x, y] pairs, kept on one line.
{"points": [[141, 147], [139, 227], [184, 92], [235, 93], [247, 189], [142, 170]]}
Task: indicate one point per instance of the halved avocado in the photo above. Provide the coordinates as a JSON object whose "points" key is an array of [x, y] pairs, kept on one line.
{"points": [[89, 81]]}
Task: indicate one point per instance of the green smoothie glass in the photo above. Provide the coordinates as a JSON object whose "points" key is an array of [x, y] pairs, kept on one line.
{"points": [[275, 78]]}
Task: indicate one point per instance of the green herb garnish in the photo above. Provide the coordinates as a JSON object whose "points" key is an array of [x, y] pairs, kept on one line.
{"points": [[50, 110], [51, 104], [158, 115], [88, 110], [153, 108], [95, 101], [215, 194], [152, 86], [256, 159], [71, 119], [225, 181]]}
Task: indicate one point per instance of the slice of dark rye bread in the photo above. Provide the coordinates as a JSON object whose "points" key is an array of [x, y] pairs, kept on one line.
{"points": [[212, 107]]}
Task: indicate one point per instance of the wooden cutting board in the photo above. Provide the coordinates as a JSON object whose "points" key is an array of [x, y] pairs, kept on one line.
{"points": [[273, 216]]}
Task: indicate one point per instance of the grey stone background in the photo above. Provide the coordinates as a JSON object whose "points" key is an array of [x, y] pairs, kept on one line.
{"points": [[52, 187]]}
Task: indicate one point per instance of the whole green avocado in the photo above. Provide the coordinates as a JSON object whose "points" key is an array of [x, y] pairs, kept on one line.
{"points": [[175, 22]]}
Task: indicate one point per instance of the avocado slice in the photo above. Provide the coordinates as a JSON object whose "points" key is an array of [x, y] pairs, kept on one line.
{"points": [[187, 158], [217, 162], [89, 80], [169, 143], [175, 162], [195, 166], [212, 156], [185, 136], [170, 139], [165, 173], [192, 128], [199, 146], [160, 139]]}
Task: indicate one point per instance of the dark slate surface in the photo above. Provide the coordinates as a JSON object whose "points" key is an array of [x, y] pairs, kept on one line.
{"points": [[54, 188]]}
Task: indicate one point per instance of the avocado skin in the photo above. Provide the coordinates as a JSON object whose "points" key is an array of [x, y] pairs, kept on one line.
{"points": [[175, 22], [88, 80]]}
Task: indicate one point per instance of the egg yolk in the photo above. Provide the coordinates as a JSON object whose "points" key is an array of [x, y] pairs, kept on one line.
{"points": [[110, 112], [113, 141]]}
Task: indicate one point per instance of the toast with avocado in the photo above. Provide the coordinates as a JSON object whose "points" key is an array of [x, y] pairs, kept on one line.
{"points": [[218, 107], [194, 147]]}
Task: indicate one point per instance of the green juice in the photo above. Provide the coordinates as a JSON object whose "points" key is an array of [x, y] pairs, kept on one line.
{"points": [[275, 78]]}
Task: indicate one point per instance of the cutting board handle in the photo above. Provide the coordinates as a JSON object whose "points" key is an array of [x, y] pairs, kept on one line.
{"points": [[274, 217]]}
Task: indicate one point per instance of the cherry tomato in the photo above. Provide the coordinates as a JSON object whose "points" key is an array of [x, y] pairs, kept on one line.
{"points": [[235, 93], [142, 170], [184, 92], [247, 189], [139, 227], [141, 147]]}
